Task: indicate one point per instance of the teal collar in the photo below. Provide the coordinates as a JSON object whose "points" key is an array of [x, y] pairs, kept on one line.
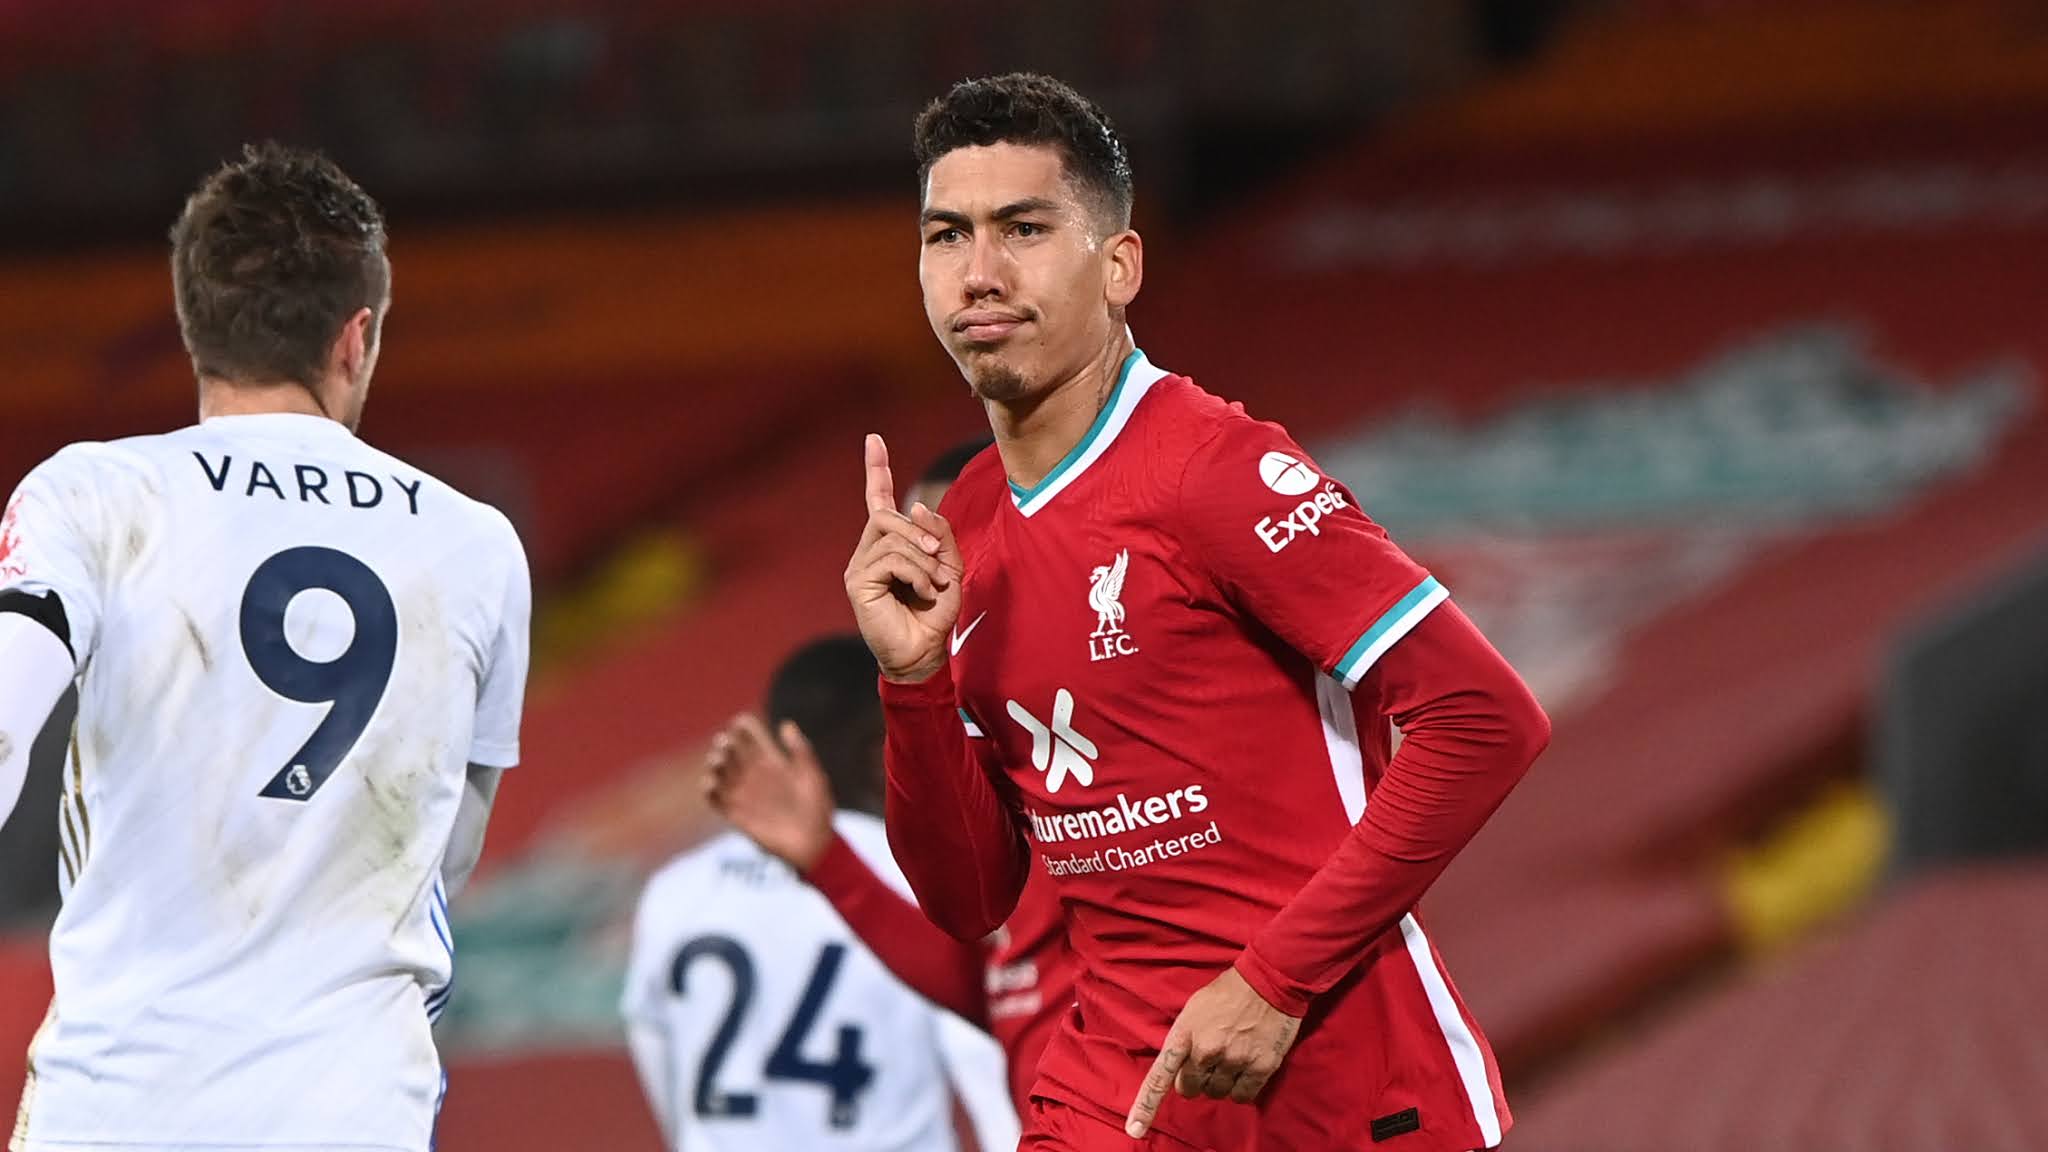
{"points": [[1133, 380]]}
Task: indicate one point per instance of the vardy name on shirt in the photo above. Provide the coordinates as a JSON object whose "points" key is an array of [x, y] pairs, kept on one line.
{"points": [[308, 484]]}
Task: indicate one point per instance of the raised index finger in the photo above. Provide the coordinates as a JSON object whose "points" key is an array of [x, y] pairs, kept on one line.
{"points": [[750, 738], [881, 486], [1146, 1107]]}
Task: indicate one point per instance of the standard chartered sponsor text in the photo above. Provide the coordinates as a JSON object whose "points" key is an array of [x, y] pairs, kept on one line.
{"points": [[1115, 859], [1126, 815]]}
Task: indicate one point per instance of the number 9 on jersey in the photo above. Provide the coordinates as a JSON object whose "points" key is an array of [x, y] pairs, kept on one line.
{"points": [[352, 683]]}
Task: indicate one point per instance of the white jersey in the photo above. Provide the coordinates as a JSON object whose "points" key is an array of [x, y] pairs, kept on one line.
{"points": [[290, 644], [758, 1020]]}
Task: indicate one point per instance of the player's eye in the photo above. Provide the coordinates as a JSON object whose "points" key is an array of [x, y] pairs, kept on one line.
{"points": [[946, 236], [1024, 229]]}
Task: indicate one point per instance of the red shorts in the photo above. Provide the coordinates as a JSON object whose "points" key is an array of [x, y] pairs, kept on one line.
{"points": [[1051, 1126]]}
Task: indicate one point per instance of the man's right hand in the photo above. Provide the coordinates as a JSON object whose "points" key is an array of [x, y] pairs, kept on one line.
{"points": [[904, 579], [775, 794]]}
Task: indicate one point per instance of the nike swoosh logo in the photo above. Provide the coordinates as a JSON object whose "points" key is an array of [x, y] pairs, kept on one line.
{"points": [[960, 638]]}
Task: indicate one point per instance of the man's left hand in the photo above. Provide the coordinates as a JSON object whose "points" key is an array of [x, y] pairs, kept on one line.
{"points": [[1226, 1043]]}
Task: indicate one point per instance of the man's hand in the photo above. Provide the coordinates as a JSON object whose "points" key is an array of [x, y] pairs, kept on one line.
{"points": [[1227, 1042], [776, 795], [904, 578]]}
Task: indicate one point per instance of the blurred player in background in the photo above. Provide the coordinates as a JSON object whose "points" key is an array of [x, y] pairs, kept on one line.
{"points": [[756, 1017], [1182, 644], [938, 476], [300, 664], [1017, 983]]}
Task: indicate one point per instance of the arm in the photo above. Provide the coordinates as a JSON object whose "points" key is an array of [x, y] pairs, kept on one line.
{"points": [[777, 794], [466, 844], [937, 967], [957, 840], [49, 601], [500, 703], [649, 1046], [35, 668], [1315, 570], [1470, 729], [640, 1007], [1308, 565]]}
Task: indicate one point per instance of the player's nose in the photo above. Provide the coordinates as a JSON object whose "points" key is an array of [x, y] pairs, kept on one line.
{"points": [[985, 271]]}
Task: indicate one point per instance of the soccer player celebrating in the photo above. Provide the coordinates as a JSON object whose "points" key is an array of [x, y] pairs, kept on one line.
{"points": [[300, 665], [1183, 645]]}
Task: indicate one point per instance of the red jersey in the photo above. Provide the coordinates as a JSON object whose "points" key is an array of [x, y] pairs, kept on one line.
{"points": [[1168, 646], [1031, 976]]}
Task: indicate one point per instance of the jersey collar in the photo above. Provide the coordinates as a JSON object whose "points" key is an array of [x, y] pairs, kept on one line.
{"points": [[1133, 380], [279, 423]]}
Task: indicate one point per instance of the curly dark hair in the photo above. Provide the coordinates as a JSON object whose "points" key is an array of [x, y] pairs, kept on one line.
{"points": [[271, 256], [1029, 108]]}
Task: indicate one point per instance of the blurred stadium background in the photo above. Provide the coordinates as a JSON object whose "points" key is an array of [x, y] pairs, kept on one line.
{"points": [[1697, 344]]}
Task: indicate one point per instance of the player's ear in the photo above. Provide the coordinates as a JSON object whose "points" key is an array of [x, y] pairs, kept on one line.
{"points": [[353, 345], [1123, 255]]}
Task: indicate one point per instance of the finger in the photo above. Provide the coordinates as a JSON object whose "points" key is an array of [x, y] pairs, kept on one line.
{"points": [[930, 564], [1172, 1056], [939, 528], [890, 569], [877, 571], [718, 757], [890, 542], [1250, 1084], [714, 781], [750, 742], [881, 486], [801, 754], [894, 523], [1221, 1082]]}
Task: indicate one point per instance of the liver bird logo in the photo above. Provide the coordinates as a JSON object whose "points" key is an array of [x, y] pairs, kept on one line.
{"points": [[1105, 595]]}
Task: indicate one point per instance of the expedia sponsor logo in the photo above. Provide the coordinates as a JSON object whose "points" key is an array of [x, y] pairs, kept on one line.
{"points": [[1307, 518]]}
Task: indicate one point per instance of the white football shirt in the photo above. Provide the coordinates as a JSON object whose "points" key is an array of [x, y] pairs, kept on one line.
{"points": [[758, 1020], [290, 645]]}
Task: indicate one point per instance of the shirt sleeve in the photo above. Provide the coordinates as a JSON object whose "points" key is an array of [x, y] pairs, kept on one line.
{"points": [[49, 537], [1470, 729], [956, 837], [501, 695], [1291, 547], [640, 1007], [945, 971]]}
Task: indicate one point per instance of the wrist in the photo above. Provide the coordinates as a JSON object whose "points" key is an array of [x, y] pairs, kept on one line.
{"points": [[834, 857], [804, 856], [1283, 994], [916, 673], [932, 685]]}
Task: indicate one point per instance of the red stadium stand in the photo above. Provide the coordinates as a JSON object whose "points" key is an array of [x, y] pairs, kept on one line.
{"points": [[777, 539], [24, 998], [1917, 1027], [546, 1100]]}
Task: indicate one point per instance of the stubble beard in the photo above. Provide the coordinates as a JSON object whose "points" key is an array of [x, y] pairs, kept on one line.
{"points": [[999, 383]]}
